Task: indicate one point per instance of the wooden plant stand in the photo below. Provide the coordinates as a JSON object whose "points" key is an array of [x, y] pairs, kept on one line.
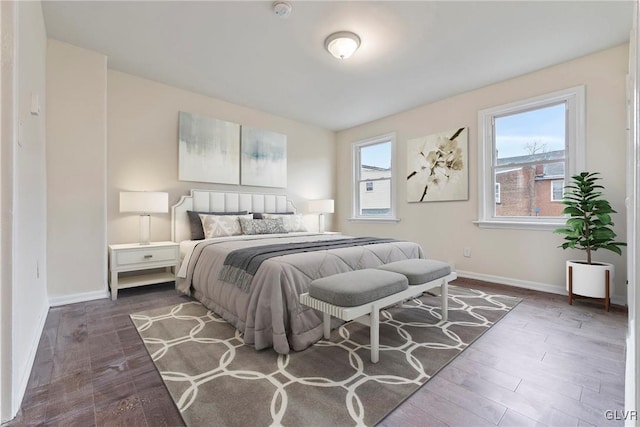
{"points": [[606, 300]]}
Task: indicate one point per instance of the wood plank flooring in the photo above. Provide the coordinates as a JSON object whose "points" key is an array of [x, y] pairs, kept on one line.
{"points": [[545, 364]]}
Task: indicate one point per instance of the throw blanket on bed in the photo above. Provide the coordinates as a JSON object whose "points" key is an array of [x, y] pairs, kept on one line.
{"points": [[240, 265]]}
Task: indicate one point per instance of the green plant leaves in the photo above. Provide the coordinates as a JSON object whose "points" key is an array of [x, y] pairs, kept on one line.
{"points": [[588, 227]]}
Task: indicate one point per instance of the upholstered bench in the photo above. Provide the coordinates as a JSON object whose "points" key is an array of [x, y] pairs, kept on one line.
{"points": [[355, 294], [361, 294], [423, 274]]}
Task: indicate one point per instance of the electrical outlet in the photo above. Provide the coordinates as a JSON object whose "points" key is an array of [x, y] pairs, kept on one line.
{"points": [[466, 252]]}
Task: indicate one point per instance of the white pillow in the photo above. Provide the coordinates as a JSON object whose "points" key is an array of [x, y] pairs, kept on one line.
{"points": [[221, 225], [291, 223]]}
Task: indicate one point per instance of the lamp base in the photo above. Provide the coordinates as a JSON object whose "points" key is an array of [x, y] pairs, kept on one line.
{"points": [[145, 229], [321, 223]]}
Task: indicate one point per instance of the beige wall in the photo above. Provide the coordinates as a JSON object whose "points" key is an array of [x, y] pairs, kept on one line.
{"points": [[7, 126], [142, 118], [76, 173], [29, 188], [529, 258]]}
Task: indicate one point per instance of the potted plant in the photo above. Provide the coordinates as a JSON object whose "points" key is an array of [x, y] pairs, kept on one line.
{"points": [[588, 228]]}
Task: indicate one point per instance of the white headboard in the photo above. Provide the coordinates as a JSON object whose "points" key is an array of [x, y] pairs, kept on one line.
{"points": [[219, 201]]}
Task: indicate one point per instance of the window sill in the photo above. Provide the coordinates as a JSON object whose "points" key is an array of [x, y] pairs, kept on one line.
{"points": [[374, 220], [520, 225]]}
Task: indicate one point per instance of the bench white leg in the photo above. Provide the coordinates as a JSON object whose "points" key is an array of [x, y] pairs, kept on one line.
{"points": [[444, 290], [326, 325], [374, 333]]}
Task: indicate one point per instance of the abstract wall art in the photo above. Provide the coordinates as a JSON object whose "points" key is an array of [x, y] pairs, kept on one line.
{"points": [[264, 158], [438, 167], [209, 149]]}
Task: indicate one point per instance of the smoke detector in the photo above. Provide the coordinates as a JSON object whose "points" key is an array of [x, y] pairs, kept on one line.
{"points": [[281, 9]]}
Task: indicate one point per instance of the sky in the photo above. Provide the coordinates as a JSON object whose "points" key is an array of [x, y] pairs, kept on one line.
{"points": [[544, 127], [376, 155]]}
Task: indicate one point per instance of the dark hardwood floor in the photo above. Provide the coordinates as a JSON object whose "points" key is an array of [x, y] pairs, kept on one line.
{"points": [[545, 363]]}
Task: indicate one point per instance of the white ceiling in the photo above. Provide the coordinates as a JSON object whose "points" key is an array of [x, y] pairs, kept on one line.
{"points": [[412, 53]]}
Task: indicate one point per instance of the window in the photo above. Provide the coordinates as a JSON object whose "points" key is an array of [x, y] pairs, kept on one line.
{"points": [[557, 190], [373, 195], [528, 149]]}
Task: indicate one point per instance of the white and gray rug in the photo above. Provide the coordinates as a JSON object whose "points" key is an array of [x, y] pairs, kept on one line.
{"points": [[215, 379]]}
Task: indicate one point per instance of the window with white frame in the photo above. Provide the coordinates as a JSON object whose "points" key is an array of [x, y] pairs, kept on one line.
{"points": [[528, 149], [557, 190], [373, 194]]}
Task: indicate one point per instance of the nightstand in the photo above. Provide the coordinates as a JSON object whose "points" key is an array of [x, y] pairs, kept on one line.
{"points": [[133, 257]]}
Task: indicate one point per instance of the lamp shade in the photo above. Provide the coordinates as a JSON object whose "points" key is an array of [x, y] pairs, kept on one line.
{"points": [[144, 201], [320, 206]]}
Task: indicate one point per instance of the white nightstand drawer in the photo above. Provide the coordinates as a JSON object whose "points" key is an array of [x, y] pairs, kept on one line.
{"points": [[139, 256]]}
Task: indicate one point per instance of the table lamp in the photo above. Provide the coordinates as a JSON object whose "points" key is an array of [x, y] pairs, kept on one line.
{"points": [[320, 207], [144, 203]]}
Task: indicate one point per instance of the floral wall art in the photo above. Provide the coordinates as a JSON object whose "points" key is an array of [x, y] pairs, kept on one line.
{"points": [[438, 167], [209, 149], [264, 158]]}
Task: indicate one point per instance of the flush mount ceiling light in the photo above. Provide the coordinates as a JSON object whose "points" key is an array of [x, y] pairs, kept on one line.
{"points": [[342, 44]]}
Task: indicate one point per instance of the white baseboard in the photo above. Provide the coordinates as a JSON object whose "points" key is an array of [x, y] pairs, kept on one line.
{"points": [[21, 383], [81, 297], [526, 284]]}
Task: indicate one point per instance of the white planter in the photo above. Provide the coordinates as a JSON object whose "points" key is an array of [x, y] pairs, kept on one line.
{"points": [[589, 280]]}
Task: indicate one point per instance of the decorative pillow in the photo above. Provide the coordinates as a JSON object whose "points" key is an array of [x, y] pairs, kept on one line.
{"points": [[222, 225], [195, 223], [262, 226], [291, 223], [257, 215]]}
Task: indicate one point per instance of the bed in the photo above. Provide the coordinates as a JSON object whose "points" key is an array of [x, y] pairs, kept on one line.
{"points": [[264, 303]]}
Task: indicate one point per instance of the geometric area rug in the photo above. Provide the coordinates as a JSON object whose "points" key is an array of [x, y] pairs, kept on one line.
{"points": [[215, 379]]}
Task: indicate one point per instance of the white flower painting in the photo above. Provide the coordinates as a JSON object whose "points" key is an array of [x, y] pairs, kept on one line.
{"points": [[438, 167], [209, 149], [264, 158]]}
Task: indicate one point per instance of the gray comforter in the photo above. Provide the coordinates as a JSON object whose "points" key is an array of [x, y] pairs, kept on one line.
{"points": [[270, 314]]}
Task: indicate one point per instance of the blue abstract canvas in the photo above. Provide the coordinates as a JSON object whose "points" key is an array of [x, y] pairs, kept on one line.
{"points": [[263, 158], [209, 149]]}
